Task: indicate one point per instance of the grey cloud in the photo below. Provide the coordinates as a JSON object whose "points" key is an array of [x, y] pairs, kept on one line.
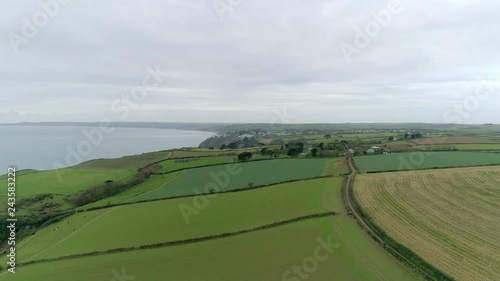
{"points": [[263, 56]]}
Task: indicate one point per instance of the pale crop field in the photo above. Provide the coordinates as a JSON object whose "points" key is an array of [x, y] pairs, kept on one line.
{"points": [[450, 218]]}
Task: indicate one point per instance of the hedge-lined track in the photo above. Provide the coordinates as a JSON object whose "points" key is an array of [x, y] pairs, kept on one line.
{"points": [[402, 253], [447, 217]]}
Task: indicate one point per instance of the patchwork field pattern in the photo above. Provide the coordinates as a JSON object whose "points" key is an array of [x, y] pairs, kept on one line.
{"points": [[349, 254], [450, 217], [162, 221]]}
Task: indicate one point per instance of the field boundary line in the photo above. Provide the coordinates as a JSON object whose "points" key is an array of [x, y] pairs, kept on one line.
{"points": [[228, 163], [355, 210], [185, 241], [202, 194]]}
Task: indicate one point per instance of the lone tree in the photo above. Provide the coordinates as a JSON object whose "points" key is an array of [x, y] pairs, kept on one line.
{"points": [[328, 136], [314, 152], [391, 138], [244, 156], [222, 147], [416, 135]]}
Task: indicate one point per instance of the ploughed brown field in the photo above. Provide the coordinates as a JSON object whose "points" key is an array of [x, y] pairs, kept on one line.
{"points": [[450, 218]]}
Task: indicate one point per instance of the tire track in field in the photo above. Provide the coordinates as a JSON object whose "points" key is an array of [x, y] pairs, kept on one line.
{"points": [[357, 254], [345, 241], [87, 224], [156, 189]]}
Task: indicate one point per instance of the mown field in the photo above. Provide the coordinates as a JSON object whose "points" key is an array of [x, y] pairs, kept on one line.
{"points": [[450, 218], [424, 160], [240, 176], [261, 255]]}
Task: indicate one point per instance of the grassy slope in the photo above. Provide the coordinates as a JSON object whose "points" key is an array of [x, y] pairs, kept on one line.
{"points": [[20, 173], [71, 180], [424, 160], [161, 221], [258, 173], [132, 162]]}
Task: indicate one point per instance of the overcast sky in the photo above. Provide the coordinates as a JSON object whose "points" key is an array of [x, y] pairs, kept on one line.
{"points": [[291, 61]]}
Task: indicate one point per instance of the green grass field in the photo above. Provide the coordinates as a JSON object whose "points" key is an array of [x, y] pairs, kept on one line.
{"points": [[261, 255], [71, 180], [161, 221], [238, 176], [177, 164], [424, 160], [170, 165]]}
